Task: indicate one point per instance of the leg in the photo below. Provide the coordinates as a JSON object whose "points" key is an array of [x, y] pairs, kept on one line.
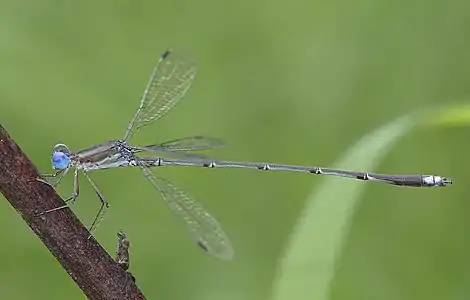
{"points": [[52, 175], [76, 191], [54, 184], [103, 208]]}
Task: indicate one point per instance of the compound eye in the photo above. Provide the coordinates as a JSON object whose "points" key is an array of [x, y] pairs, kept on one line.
{"points": [[60, 160], [61, 148]]}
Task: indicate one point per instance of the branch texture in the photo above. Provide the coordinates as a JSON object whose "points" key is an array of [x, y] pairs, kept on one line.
{"points": [[87, 263]]}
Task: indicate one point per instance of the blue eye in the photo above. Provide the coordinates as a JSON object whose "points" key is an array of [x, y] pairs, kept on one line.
{"points": [[60, 160]]}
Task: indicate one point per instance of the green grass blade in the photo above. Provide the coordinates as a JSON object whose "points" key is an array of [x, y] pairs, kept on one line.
{"points": [[315, 244]]}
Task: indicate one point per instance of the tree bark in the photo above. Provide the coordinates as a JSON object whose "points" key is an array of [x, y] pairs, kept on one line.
{"points": [[83, 258]]}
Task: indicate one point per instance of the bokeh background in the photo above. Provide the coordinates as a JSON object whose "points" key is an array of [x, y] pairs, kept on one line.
{"points": [[283, 81]]}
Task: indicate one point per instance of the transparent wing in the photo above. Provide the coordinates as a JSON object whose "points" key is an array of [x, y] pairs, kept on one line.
{"points": [[170, 80], [177, 147], [204, 229], [194, 143]]}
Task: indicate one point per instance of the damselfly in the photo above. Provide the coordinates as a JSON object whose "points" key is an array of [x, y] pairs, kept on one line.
{"points": [[168, 83]]}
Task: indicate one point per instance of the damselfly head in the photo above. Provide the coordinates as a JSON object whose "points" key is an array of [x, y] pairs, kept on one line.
{"points": [[60, 157]]}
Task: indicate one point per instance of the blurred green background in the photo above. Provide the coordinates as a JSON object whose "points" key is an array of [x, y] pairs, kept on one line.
{"points": [[293, 82]]}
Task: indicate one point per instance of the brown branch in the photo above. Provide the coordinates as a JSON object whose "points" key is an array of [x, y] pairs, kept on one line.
{"points": [[89, 265]]}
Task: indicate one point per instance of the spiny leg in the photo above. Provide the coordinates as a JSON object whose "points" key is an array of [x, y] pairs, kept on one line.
{"points": [[103, 208], [62, 173], [76, 192], [53, 174]]}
